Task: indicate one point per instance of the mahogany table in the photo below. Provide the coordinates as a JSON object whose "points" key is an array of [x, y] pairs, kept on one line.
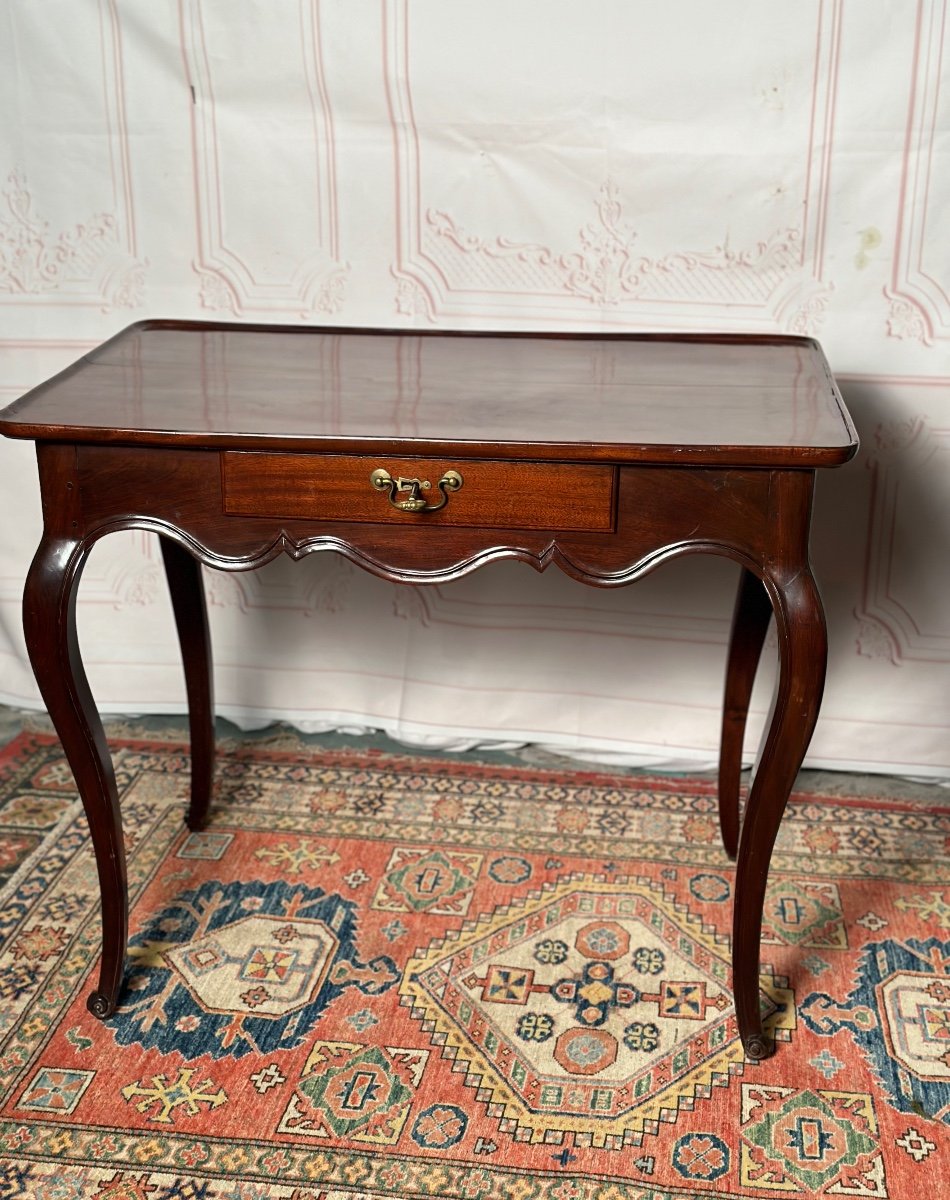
{"points": [[421, 457]]}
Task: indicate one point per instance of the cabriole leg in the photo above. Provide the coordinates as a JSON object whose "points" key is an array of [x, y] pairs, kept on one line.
{"points": [[802, 641], [750, 622], [49, 618], [183, 573]]}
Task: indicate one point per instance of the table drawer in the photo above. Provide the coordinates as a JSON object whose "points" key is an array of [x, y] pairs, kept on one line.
{"points": [[492, 494]]}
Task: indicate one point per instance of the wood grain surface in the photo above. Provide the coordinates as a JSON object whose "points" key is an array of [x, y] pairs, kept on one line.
{"points": [[657, 398]]}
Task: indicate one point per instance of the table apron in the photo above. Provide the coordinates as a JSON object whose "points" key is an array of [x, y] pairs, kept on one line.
{"points": [[751, 515]]}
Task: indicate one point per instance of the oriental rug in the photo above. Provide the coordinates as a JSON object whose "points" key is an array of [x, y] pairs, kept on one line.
{"points": [[379, 975]]}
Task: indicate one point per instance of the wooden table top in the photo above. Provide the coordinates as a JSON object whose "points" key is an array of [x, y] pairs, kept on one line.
{"points": [[628, 398]]}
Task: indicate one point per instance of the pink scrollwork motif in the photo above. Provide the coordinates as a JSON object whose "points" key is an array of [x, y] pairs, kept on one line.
{"points": [[411, 300], [906, 321], [919, 291], [243, 266], [605, 269], [35, 259], [874, 640], [610, 272], [899, 620], [810, 316]]}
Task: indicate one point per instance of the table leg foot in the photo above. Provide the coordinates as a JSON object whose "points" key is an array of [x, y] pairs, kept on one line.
{"points": [[100, 1005], [802, 654], [186, 588], [758, 1046], [49, 619], [750, 622]]}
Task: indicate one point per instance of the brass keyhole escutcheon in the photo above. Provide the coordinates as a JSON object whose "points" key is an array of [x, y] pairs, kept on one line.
{"points": [[414, 502]]}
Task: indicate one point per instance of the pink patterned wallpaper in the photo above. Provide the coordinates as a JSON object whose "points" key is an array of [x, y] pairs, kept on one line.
{"points": [[542, 165]]}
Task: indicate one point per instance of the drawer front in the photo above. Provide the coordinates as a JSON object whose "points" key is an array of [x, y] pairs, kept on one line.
{"points": [[493, 495]]}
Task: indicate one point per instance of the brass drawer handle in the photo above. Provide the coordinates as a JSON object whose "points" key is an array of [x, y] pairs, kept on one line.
{"points": [[381, 479]]}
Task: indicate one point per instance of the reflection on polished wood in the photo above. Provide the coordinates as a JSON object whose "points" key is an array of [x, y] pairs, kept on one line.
{"points": [[627, 398], [606, 455]]}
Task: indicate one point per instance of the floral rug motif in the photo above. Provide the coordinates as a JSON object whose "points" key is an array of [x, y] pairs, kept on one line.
{"points": [[380, 975]]}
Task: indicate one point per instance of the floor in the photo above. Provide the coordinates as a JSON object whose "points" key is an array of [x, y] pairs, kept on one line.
{"points": [[841, 783]]}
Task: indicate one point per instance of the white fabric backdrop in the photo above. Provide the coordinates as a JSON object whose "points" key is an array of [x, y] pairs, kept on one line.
{"points": [[735, 166]]}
